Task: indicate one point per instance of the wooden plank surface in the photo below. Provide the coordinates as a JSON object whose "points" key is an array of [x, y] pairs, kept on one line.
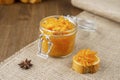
{"points": [[19, 23]]}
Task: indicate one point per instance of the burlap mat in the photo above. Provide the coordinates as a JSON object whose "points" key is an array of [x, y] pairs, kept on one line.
{"points": [[106, 8], [105, 40]]}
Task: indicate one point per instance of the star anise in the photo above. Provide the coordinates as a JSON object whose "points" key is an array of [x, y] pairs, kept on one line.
{"points": [[25, 64]]}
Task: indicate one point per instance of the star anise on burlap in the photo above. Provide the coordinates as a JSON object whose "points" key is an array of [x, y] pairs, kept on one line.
{"points": [[25, 64]]}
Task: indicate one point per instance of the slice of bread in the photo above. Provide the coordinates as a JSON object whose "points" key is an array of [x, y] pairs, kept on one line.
{"points": [[7, 1], [31, 1], [85, 69]]}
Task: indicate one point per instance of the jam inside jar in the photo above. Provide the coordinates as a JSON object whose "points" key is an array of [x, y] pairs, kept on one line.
{"points": [[57, 36]]}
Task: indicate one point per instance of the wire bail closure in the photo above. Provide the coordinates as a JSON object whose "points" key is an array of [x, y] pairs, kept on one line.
{"points": [[87, 25]]}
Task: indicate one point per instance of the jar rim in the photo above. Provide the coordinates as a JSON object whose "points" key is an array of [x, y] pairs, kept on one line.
{"points": [[67, 31]]}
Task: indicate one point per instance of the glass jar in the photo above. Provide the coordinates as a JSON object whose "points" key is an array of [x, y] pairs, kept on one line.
{"points": [[54, 43]]}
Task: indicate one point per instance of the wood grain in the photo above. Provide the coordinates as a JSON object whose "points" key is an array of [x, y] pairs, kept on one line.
{"points": [[19, 23]]}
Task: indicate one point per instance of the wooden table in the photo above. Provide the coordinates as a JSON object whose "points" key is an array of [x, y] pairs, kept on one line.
{"points": [[19, 23]]}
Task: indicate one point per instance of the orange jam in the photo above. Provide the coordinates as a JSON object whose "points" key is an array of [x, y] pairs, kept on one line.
{"points": [[61, 33], [86, 57]]}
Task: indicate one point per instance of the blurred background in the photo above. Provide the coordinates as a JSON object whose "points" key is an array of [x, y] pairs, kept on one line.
{"points": [[19, 22]]}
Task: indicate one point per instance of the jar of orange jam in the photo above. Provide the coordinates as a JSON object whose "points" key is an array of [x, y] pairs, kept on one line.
{"points": [[57, 36]]}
